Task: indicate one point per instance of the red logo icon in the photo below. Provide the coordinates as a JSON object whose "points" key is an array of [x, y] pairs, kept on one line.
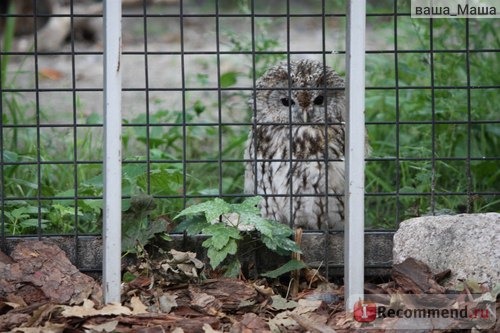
{"points": [[365, 311]]}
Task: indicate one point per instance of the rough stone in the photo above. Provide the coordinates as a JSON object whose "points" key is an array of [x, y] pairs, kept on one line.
{"points": [[468, 244], [45, 268]]}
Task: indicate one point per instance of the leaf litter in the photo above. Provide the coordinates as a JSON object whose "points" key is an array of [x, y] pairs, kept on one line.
{"points": [[41, 291]]}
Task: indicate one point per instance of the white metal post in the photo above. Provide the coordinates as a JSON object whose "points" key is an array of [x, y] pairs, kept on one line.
{"points": [[355, 152], [112, 151]]}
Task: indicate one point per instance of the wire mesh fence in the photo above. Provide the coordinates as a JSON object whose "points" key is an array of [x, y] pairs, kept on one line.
{"points": [[189, 70]]}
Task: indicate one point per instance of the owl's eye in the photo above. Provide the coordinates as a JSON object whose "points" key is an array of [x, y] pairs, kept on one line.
{"points": [[318, 100], [287, 101]]}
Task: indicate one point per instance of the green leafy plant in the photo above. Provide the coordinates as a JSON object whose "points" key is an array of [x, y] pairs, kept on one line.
{"points": [[138, 229], [23, 220], [227, 225], [403, 189], [182, 135]]}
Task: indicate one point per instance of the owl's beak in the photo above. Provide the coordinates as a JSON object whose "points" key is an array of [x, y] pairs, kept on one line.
{"points": [[305, 115]]}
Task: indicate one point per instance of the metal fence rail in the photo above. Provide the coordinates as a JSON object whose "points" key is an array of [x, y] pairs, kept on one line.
{"points": [[112, 190]]}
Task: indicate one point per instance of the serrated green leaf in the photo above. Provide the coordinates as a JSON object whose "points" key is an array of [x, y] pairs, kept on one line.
{"points": [[220, 234], [249, 205], [192, 226], [281, 230], [291, 265], [217, 207], [288, 244], [264, 226], [212, 209], [207, 243], [270, 243], [280, 245], [217, 256], [250, 219], [272, 229], [193, 210]]}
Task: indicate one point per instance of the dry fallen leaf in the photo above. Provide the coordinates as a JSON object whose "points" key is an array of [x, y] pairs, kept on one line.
{"points": [[167, 302], [282, 322], [266, 291], [47, 328], [179, 256], [251, 323], [108, 326], [87, 310], [279, 303], [137, 306], [306, 305], [311, 325], [11, 304], [51, 73], [42, 313]]}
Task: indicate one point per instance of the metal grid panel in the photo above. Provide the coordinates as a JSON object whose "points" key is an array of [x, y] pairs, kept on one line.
{"points": [[432, 189], [184, 90], [43, 136]]}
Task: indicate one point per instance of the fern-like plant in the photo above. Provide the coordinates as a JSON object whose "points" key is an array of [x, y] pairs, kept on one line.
{"points": [[227, 224]]}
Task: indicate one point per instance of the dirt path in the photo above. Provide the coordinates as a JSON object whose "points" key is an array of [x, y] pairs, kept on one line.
{"points": [[163, 70]]}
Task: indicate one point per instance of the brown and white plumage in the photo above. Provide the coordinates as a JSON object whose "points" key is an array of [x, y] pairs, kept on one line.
{"points": [[290, 105]]}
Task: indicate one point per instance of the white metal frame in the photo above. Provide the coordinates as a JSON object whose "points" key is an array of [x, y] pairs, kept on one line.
{"points": [[355, 153], [112, 151]]}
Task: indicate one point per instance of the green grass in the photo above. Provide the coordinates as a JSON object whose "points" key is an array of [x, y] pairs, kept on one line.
{"points": [[396, 190], [435, 144]]}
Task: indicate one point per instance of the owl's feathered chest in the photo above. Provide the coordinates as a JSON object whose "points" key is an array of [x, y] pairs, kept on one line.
{"points": [[314, 169], [304, 142]]}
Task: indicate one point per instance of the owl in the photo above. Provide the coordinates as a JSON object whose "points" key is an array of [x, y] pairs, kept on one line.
{"points": [[294, 154]]}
